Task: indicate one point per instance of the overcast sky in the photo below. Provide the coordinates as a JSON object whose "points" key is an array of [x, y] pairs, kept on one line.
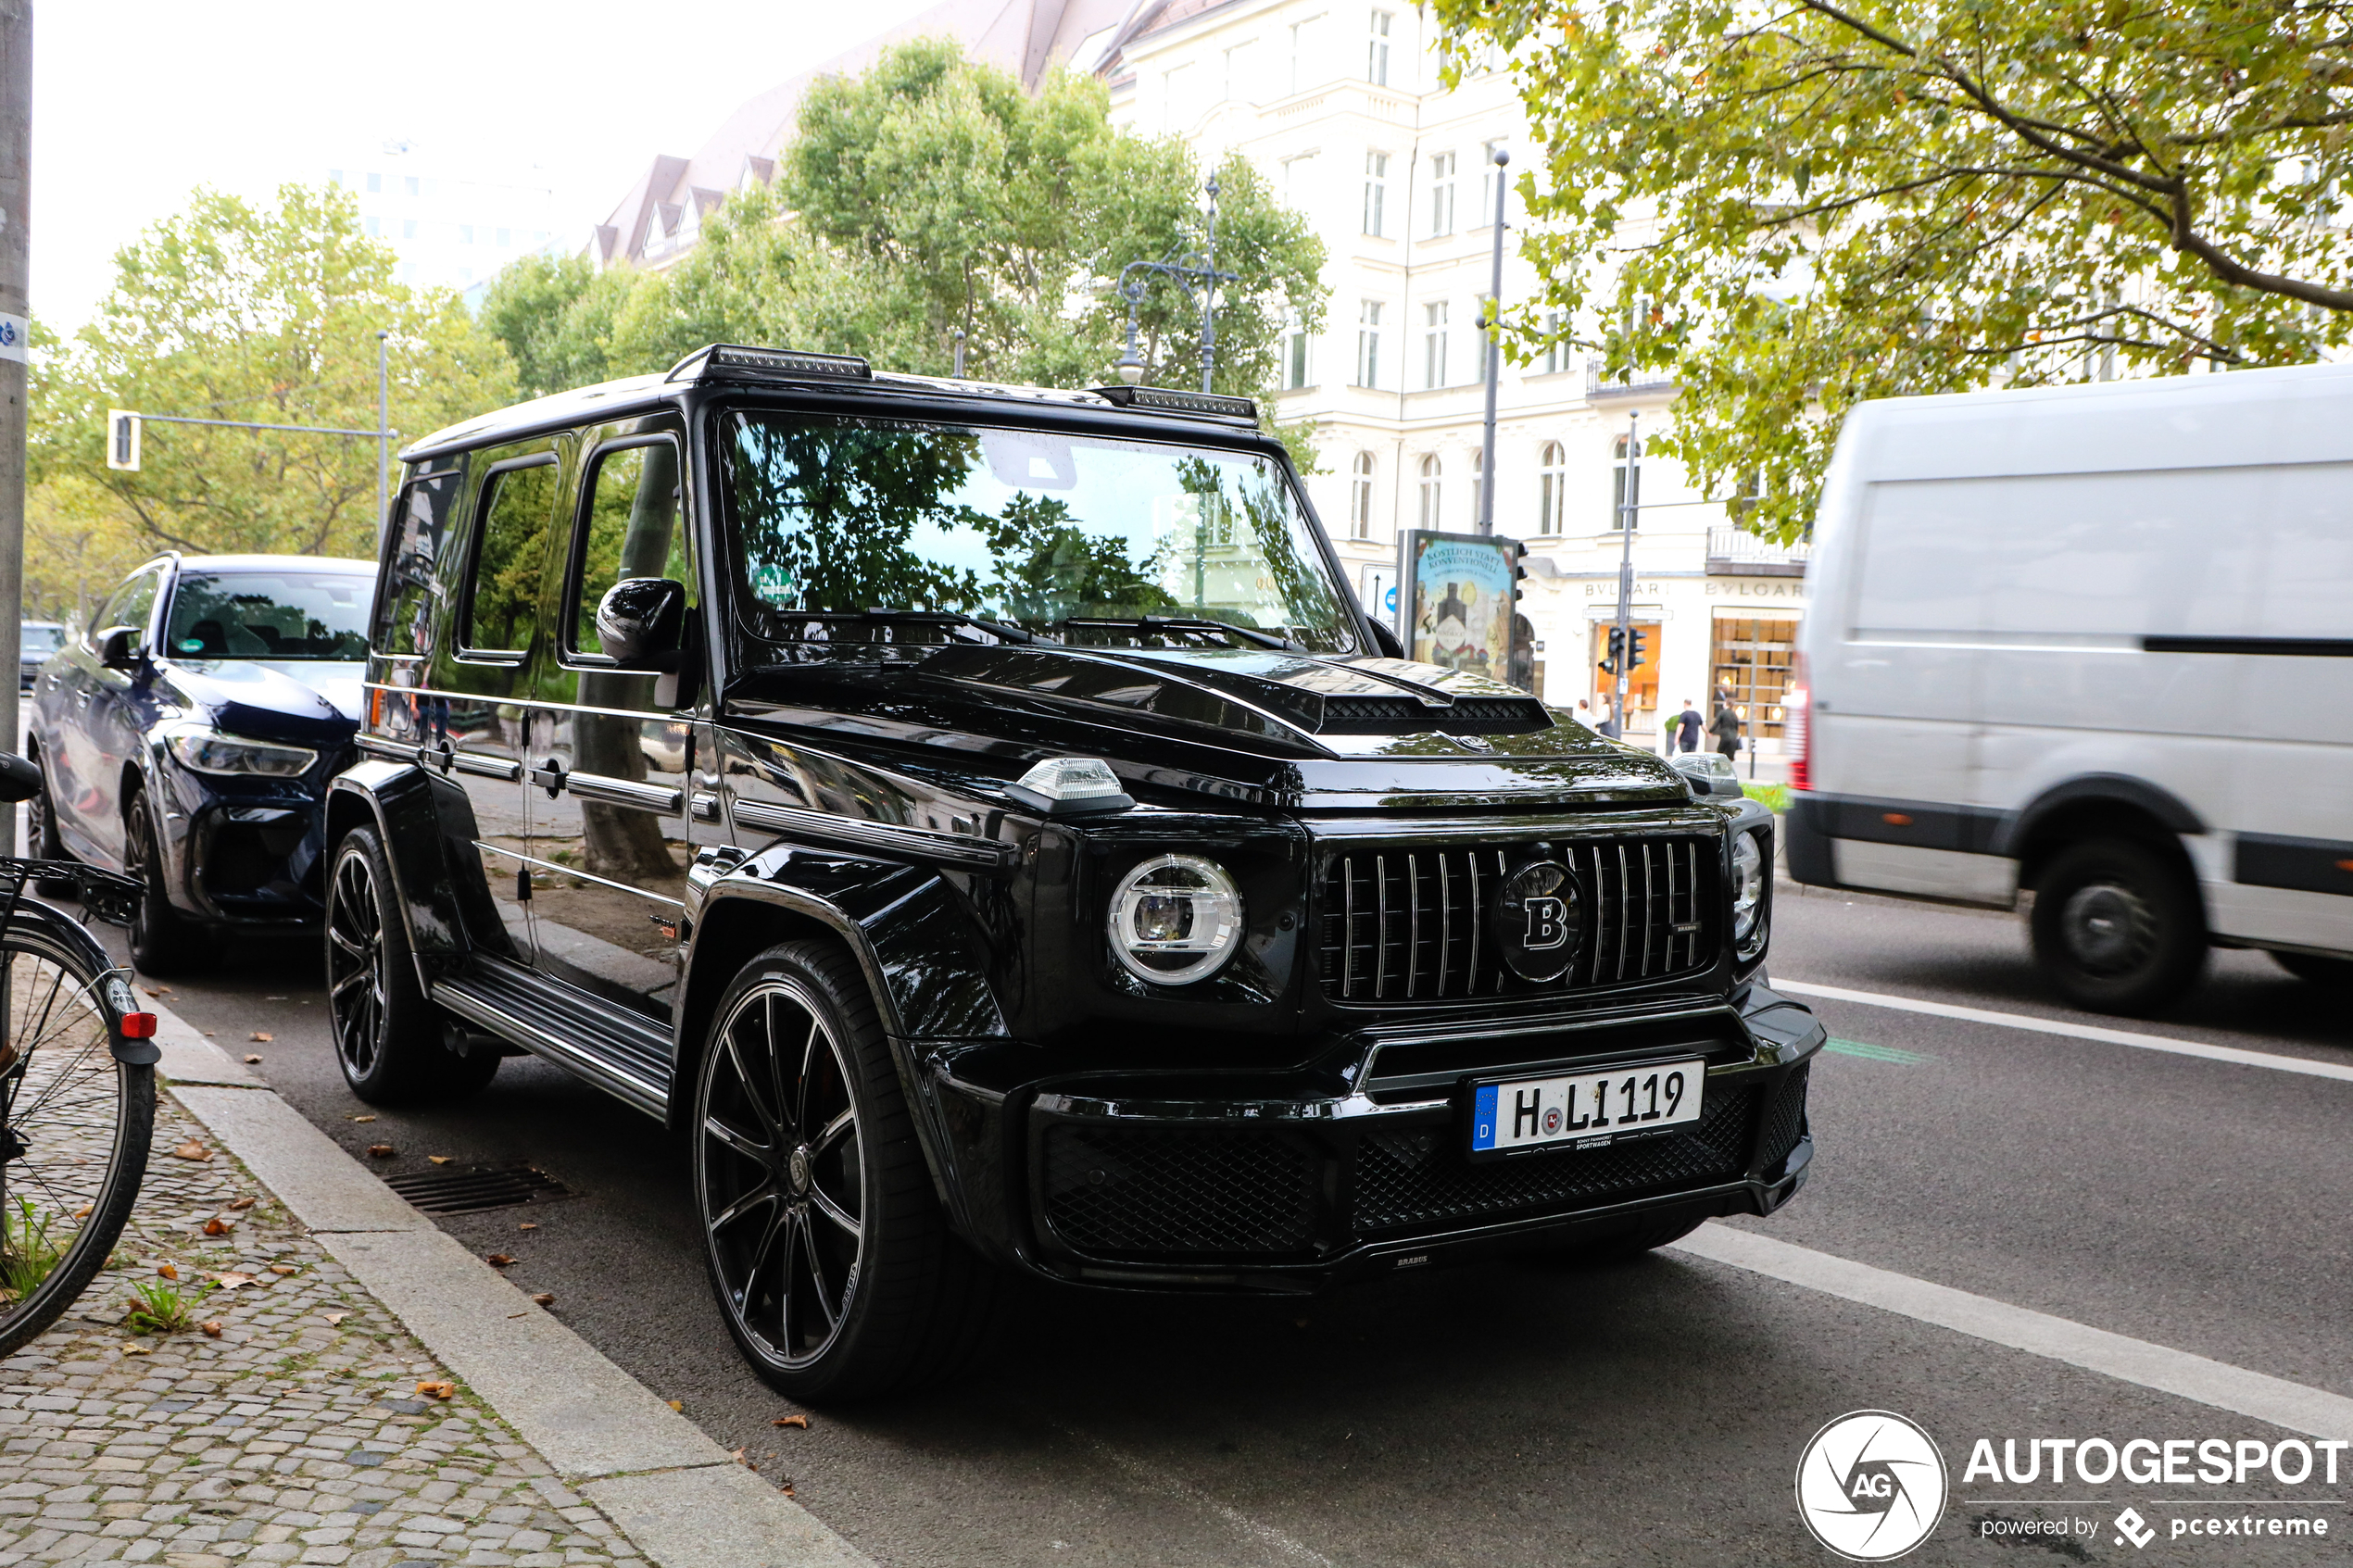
{"points": [[136, 102]]}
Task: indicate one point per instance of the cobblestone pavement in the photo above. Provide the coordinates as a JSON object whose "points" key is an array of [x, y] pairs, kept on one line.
{"points": [[297, 1435]]}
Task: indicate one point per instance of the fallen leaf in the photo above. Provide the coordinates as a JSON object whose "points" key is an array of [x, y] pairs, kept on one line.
{"points": [[786, 1490], [169, 1271], [218, 1226], [334, 1318], [230, 1282], [260, 1036], [382, 1150], [499, 1260], [283, 1269], [159, 990], [438, 1390], [800, 1421], [130, 1349], [738, 1457], [213, 1328], [545, 1299], [241, 1203], [678, 1404], [441, 1158], [528, 1225], [363, 1118], [192, 1149], [210, 1033], [82, 1212], [251, 1059]]}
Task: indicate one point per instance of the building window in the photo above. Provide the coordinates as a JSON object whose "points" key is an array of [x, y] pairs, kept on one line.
{"points": [[1441, 194], [1558, 356], [1369, 345], [407, 228], [1297, 174], [373, 226], [1360, 497], [1491, 185], [1294, 350], [1478, 484], [1434, 344], [1237, 86], [465, 234], [506, 237], [375, 184], [1433, 482], [334, 177], [1304, 37], [1552, 487], [1376, 49], [414, 184], [1375, 193], [1625, 487]]}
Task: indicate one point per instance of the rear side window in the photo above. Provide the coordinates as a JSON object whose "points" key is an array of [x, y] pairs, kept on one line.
{"points": [[130, 607], [517, 506], [421, 530], [629, 528]]}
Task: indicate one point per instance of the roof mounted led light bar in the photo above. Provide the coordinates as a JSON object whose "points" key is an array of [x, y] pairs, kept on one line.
{"points": [[733, 361], [1213, 405]]}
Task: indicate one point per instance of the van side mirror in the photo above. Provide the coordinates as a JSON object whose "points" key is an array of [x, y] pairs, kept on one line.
{"points": [[638, 623], [119, 647]]}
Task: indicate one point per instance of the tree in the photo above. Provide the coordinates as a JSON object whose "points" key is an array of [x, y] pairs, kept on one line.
{"points": [[233, 312], [1791, 207]]}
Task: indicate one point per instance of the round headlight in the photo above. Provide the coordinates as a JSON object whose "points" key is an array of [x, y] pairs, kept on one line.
{"points": [[1748, 893], [1174, 918]]}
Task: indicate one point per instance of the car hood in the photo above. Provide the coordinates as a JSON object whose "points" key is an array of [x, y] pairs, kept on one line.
{"points": [[311, 702], [1309, 728]]}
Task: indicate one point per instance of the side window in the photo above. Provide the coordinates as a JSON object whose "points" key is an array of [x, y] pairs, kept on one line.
{"points": [[629, 528], [133, 603], [420, 527], [518, 504]]}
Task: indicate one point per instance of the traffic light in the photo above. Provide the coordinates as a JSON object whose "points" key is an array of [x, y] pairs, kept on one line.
{"points": [[1617, 651], [1637, 650], [122, 439], [1519, 572]]}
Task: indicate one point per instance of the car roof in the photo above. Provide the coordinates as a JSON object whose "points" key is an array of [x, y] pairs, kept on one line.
{"points": [[278, 563]]}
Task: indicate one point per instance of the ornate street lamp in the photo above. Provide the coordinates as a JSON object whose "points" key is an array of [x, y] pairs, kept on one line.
{"points": [[1186, 269]]}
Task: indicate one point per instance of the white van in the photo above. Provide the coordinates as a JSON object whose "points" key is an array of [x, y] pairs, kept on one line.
{"points": [[2093, 642]]}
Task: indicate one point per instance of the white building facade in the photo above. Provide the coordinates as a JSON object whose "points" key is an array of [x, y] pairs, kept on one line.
{"points": [[452, 222], [1340, 105]]}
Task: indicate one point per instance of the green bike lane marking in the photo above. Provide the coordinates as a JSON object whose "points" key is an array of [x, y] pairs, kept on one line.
{"points": [[1896, 1055]]}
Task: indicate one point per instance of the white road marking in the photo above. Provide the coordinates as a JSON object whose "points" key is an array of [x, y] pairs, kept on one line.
{"points": [[2284, 1404], [1138, 1471], [2340, 1070]]}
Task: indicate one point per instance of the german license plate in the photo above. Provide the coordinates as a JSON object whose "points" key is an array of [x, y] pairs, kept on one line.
{"points": [[1588, 1110]]}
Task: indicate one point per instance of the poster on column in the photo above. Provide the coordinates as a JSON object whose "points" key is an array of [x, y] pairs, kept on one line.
{"points": [[1459, 588]]}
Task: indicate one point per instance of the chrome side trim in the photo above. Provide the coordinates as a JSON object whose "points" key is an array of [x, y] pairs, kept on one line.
{"points": [[624, 792], [392, 751], [706, 807], [485, 766], [921, 844]]}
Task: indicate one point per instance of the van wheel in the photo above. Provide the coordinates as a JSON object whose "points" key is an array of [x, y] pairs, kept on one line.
{"points": [[833, 1265], [2117, 928], [388, 1036], [2335, 973], [162, 940]]}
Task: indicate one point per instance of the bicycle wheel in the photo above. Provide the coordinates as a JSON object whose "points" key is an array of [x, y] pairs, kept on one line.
{"points": [[75, 1121]]}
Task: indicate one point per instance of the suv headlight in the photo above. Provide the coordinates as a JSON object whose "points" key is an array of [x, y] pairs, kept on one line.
{"points": [[1174, 918], [1748, 895], [209, 751]]}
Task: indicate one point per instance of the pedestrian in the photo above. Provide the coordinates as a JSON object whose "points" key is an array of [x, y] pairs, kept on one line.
{"points": [[1608, 721], [1727, 726], [1687, 724], [1582, 713]]}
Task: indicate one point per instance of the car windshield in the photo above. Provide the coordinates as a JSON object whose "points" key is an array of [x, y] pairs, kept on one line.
{"points": [[1037, 528], [269, 615], [43, 639]]}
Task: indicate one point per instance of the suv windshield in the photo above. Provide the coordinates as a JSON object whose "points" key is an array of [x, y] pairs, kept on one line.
{"points": [[1038, 528], [41, 638], [269, 615]]}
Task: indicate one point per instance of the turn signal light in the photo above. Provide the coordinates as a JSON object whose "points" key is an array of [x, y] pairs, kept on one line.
{"points": [[138, 1026]]}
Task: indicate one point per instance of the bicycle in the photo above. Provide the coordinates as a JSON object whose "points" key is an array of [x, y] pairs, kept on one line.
{"points": [[77, 1083]]}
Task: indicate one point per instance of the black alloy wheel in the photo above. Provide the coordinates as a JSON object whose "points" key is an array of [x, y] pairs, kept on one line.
{"points": [[162, 940], [827, 1252], [2117, 927], [389, 1036]]}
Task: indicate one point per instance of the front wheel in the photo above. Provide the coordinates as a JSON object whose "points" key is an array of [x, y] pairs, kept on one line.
{"points": [[2117, 927], [388, 1036], [41, 831], [163, 941], [827, 1252]]}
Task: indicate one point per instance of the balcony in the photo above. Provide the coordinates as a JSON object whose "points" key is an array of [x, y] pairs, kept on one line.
{"points": [[1736, 552], [1609, 390]]}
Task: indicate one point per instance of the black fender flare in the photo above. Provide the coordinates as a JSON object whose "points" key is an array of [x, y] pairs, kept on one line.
{"points": [[112, 993], [396, 797], [2010, 836]]}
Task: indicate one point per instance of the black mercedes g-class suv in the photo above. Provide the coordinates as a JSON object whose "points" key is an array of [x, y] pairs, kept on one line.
{"points": [[983, 822]]}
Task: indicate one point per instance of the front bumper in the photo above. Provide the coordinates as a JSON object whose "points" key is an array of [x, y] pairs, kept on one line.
{"points": [[247, 856], [1117, 1185]]}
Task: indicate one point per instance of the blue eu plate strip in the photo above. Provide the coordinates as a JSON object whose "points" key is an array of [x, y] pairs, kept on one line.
{"points": [[1483, 1119]]}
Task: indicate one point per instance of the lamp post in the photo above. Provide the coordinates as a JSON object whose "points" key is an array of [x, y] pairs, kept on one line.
{"points": [[1628, 506], [1494, 356], [384, 433], [1186, 269]]}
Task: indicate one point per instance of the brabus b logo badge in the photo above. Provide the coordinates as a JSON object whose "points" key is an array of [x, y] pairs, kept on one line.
{"points": [[1539, 918]]}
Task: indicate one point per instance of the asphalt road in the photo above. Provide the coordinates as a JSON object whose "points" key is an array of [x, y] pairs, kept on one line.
{"points": [[1528, 1412]]}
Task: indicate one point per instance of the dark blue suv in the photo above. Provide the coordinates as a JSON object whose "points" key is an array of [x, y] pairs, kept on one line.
{"points": [[187, 737]]}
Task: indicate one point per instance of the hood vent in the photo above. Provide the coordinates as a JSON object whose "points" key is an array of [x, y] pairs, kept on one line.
{"points": [[1404, 716]]}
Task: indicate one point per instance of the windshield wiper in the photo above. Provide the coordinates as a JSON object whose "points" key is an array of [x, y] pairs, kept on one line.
{"points": [[999, 630], [1185, 623]]}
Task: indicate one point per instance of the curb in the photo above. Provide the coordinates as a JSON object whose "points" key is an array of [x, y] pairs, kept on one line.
{"points": [[676, 1493]]}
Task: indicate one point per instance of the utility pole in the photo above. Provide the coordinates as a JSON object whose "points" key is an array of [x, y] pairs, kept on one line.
{"points": [[1626, 506], [383, 436], [1494, 356], [16, 211], [1209, 300]]}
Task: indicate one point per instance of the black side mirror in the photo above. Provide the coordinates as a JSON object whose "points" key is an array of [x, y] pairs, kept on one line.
{"points": [[638, 621], [19, 778], [119, 647], [1385, 641]]}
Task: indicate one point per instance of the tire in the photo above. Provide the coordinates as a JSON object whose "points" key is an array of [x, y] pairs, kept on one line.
{"points": [[831, 1262], [41, 831], [163, 941], [64, 1208], [2336, 974], [2117, 928], [388, 1036]]}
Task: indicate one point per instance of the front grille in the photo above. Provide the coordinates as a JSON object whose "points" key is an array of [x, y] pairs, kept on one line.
{"points": [[1784, 1119], [1405, 715], [1128, 1191], [1408, 1179], [1404, 924]]}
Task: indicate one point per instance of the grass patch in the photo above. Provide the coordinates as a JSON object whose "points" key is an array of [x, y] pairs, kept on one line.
{"points": [[1774, 797], [27, 1250], [160, 1306]]}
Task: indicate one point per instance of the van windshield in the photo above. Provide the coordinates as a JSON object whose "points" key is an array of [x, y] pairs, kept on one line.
{"points": [[1064, 534], [269, 615]]}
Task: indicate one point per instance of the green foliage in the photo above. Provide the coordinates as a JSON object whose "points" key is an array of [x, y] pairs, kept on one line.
{"points": [[1774, 796], [930, 196], [28, 1249], [161, 1306], [1791, 208], [270, 314]]}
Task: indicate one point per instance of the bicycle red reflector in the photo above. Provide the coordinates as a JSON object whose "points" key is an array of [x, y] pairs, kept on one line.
{"points": [[138, 1026]]}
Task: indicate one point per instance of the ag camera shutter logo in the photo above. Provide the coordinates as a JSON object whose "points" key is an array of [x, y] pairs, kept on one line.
{"points": [[1871, 1485]]}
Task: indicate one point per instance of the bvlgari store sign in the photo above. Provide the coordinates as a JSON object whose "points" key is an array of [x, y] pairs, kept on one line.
{"points": [[1764, 593]]}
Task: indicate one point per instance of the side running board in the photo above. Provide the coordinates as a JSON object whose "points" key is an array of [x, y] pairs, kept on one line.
{"points": [[621, 1053]]}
